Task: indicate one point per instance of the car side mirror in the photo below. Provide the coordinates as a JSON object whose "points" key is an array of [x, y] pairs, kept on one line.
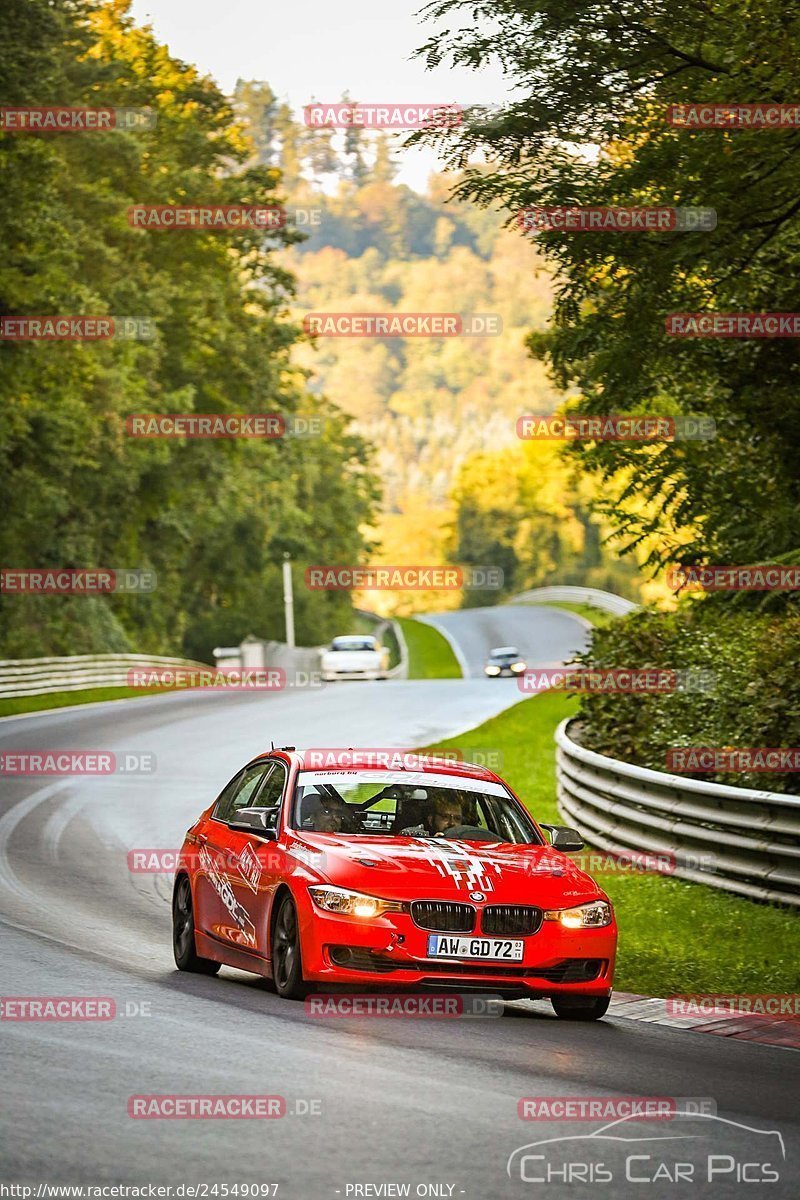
{"points": [[254, 820], [569, 841]]}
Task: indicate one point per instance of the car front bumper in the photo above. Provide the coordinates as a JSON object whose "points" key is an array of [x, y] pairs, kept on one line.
{"points": [[392, 951]]}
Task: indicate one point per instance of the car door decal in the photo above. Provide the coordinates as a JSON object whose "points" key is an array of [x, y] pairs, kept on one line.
{"points": [[249, 867], [222, 887]]}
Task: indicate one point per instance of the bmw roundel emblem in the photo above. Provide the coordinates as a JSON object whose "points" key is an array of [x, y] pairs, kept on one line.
{"points": [[477, 896]]}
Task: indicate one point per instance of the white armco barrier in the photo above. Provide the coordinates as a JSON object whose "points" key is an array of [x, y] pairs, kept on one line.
{"points": [[38, 676], [739, 839], [608, 601]]}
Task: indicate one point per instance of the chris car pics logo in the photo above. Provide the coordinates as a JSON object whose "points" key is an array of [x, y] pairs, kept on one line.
{"points": [[696, 1148]]}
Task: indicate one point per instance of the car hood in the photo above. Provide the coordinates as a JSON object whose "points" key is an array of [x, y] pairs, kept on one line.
{"points": [[407, 868]]}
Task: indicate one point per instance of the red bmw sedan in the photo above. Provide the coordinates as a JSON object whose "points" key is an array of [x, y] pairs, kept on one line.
{"points": [[416, 872]]}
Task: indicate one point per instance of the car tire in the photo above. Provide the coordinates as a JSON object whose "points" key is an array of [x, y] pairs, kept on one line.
{"points": [[580, 1008], [287, 962], [184, 947]]}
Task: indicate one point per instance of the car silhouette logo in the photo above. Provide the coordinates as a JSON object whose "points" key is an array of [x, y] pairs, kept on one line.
{"points": [[477, 896], [617, 1135]]}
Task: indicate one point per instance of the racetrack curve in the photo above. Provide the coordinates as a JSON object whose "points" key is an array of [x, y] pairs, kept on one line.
{"points": [[401, 1101], [545, 638]]}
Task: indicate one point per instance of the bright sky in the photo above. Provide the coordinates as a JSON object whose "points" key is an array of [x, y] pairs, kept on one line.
{"points": [[317, 49]]}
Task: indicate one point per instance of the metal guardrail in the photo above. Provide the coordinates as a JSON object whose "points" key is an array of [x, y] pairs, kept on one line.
{"points": [[608, 601], [400, 669], [40, 676], [738, 839]]}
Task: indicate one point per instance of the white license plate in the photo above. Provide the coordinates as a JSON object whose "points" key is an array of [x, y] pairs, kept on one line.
{"points": [[443, 945]]}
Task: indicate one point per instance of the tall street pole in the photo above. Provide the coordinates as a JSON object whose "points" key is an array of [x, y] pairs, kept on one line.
{"points": [[288, 599]]}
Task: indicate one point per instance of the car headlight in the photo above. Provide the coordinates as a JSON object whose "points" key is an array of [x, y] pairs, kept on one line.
{"points": [[585, 916], [352, 904], [492, 670], [518, 666]]}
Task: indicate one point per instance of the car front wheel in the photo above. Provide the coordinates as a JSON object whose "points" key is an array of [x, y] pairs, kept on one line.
{"points": [[580, 1008], [287, 964], [183, 943]]}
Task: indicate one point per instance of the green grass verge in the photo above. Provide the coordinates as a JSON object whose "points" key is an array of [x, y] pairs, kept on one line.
{"points": [[25, 704], [430, 655], [674, 937], [597, 616], [389, 639]]}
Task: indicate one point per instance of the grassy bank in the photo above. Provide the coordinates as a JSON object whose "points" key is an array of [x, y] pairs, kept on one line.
{"points": [[25, 704], [429, 654], [596, 616], [674, 936]]}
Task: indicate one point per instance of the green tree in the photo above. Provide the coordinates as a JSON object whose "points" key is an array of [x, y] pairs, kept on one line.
{"points": [[256, 105], [211, 518], [588, 127], [524, 511], [290, 151], [319, 152]]}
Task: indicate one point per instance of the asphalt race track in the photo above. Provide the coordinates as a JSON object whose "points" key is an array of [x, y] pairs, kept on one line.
{"points": [[370, 1102], [544, 636]]}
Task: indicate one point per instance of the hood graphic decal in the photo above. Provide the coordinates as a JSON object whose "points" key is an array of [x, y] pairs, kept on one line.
{"points": [[466, 868]]}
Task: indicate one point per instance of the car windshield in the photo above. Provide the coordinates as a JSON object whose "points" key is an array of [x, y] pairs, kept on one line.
{"points": [[420, 804], [352, 643]]}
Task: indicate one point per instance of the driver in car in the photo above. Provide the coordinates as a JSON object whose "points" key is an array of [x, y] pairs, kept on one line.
{"points": [[326, 814], [443, 814], [446, 814]]}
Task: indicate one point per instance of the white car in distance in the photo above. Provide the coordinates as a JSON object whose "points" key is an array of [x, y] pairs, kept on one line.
{"points": [[355, 656]]}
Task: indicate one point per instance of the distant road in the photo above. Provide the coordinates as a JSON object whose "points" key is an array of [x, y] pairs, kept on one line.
{"points": [[544, 636]]}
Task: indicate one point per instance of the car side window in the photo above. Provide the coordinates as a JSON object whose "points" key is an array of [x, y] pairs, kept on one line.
{"points": [[240, 791], [270, 794]]}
